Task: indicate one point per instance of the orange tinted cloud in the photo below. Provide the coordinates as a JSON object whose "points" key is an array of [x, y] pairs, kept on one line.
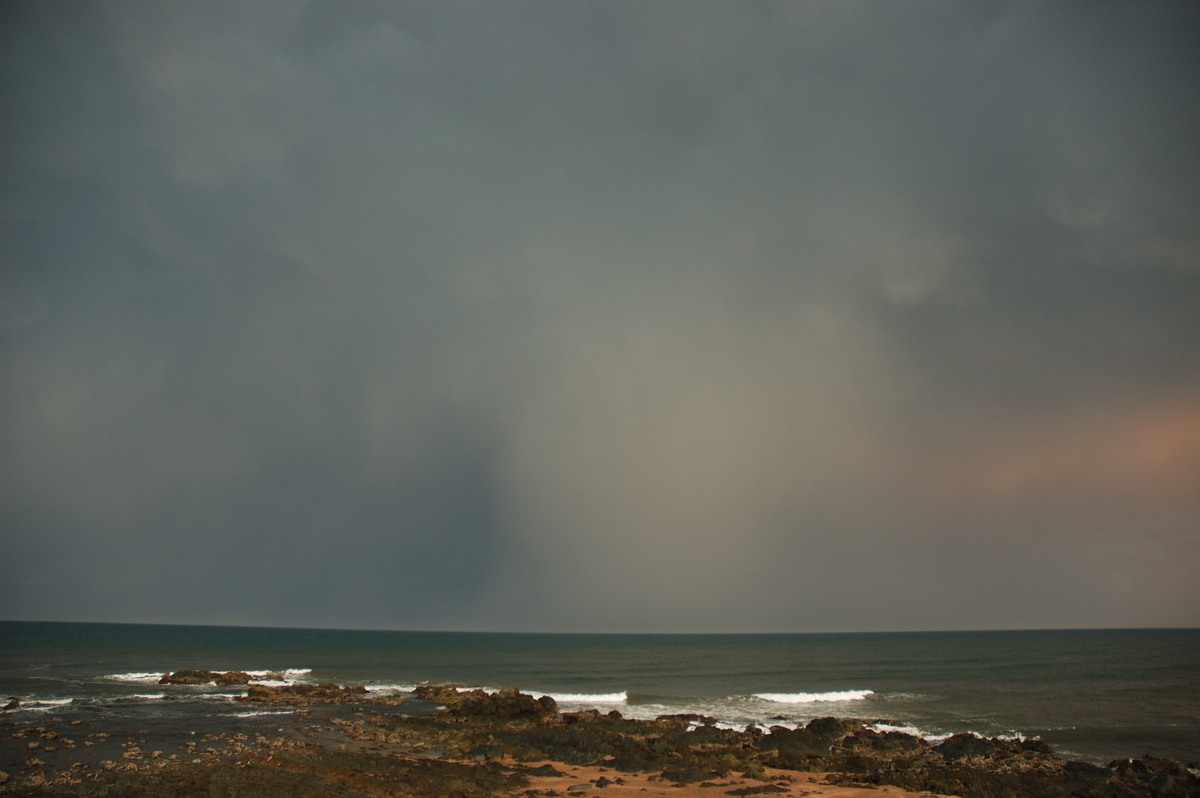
{"points": [[1145, 453]]}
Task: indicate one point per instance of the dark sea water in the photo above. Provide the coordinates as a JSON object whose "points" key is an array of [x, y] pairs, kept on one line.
{"points": [[1097, 695]]}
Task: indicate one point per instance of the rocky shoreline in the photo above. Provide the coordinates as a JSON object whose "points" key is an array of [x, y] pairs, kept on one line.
{"points": [[343, 742]]}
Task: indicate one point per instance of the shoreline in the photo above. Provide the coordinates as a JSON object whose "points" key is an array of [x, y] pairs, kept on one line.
{"points": [[445, 741]]}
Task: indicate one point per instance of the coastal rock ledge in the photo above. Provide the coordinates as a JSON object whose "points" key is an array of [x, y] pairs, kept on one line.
{"points": [[344, 742], [506, 703], [511, 725], [219, 678]]}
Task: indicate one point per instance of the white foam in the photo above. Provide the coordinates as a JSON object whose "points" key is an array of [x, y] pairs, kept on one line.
{"points": [[934, 738], [888, 727], [389, 689], [219, 696], [1014, 735], [135, 677], [45, 703], [149, 696], [258, 675], [815, 698], [589, 698], [290, 675], [463, 688], [929, 737]]}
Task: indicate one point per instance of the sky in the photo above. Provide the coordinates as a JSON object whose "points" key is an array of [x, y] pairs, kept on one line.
{"points": [[601, 316]]}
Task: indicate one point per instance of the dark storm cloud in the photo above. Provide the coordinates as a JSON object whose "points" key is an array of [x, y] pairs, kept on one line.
{"points": [[601, 315]]}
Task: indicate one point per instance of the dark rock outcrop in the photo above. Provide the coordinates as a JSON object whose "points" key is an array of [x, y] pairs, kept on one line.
{"points": [[967, 746], [189, 677], [506, 703], [1159, 776], [304, 694], [832, 728], [444, 694], [222, 679]]}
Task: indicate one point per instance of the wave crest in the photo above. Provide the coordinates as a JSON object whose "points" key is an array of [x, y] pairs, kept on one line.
{"points": [[590, 698], [815, 698], [141, 676]]}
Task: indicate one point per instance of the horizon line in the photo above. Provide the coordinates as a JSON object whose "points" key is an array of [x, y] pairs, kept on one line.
{"points": [[625, 633]]}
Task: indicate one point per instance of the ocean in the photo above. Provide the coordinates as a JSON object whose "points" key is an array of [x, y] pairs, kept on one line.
{"points": [[1094, 695]]}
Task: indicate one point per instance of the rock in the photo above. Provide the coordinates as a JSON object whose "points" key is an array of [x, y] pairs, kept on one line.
{"points": [[966, 746], [883, 744], [13, 703], [481, 728], [1085, 769], [796, 748], [188, 677], [710, 735], [690, 717], [444, 694], [1162, 776], [206, 677], [832, 728], [304, 694], [231, 678], [506, 703]]}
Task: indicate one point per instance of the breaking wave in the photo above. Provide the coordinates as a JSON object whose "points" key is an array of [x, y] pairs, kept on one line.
{"points": [[139, 676], [589, 698], [815, 698], [257, 675], [389, 689]]}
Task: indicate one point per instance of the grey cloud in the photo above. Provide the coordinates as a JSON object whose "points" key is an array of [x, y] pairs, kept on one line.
{"points": [[600, 315]]}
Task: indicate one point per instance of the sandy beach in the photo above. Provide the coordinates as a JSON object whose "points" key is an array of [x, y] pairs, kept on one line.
{"points": [[603, 782]]}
